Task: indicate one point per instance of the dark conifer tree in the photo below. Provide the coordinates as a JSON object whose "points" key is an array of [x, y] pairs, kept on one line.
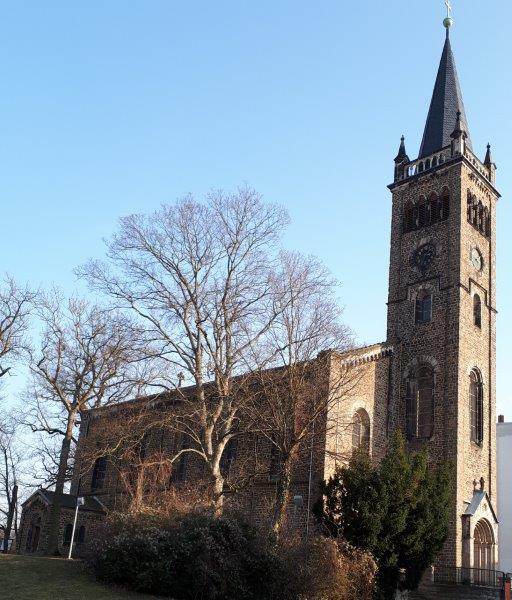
{"points": [[398, 510]]}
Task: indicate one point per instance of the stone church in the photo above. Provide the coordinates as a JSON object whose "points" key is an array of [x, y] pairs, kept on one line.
{"points": [[434, 376]]}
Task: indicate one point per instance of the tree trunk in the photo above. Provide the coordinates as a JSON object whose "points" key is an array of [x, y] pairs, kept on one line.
{"points": [[53, 534], [282, 494], [10, 518], [218, 494]]}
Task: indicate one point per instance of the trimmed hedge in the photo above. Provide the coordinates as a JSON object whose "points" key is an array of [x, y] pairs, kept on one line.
{"points": [[195, 557]]}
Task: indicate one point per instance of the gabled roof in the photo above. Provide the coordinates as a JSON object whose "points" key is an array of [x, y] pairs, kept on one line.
{"points": [[446, 101], [478, 497], [91, 503]]}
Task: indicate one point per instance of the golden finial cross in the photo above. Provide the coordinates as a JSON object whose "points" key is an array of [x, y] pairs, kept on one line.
{"points": [[449, 8]]}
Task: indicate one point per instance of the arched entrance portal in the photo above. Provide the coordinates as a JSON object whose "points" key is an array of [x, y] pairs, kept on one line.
{"points": [[483, 556]]}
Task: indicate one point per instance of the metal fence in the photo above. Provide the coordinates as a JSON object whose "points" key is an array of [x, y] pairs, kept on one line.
{"points": [[472, 577]]}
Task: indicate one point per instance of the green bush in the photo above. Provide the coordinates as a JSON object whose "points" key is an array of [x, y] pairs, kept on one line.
{"points": [[194, 557]]}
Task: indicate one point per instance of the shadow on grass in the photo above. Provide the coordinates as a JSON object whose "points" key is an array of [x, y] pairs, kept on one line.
{"points": [[31, 578]]}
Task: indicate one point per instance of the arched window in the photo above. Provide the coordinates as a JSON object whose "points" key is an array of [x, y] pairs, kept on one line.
{"points": [[477, 311], [420, 403], [424, 307], [80, 538], [228, 456], [179, 470], [445, 203], [476, 401], [276, 463], [68, 532], [98, 474], [361, 431]]}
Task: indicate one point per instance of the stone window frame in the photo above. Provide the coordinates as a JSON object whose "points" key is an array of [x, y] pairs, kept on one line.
{"points": [[179, 472], [478, 215], [80, 537], [67, 534], [423, 307], [361, 430], [275, 463], [229, 456], [420, 427], [414, 296], [99, 472], [476, 407]]}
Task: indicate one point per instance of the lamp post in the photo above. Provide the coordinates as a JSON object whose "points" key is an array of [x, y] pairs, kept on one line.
{"points": [[79, 503]]}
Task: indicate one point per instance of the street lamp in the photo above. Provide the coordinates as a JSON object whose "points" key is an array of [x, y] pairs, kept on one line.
{"points": [[79, 502]]}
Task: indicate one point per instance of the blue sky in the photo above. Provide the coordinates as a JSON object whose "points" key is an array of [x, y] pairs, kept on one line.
{"points": [[109, 108]]}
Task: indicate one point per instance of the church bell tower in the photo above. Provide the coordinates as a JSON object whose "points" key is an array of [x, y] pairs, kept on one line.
{"points": [[442, 313]]}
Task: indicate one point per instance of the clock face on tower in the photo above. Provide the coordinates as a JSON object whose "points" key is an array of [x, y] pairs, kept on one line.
{"points": [[476, 259], [424, 256]]}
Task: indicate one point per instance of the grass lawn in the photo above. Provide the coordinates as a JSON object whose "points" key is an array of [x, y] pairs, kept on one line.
{"points": [[35, 578]]}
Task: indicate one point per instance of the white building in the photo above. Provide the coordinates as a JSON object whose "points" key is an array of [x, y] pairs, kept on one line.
{"points": [[504, 459]]}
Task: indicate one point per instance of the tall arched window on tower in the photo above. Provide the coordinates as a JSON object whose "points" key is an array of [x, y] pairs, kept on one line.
{"points": [[98, 474], [420, 403], [477, 311], [361, 431], [423, 307], [476, 399]]}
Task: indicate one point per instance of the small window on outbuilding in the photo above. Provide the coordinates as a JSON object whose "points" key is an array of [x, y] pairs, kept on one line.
{"points": [[80, 538], [477, 311], [68, 532], [424, 307]]}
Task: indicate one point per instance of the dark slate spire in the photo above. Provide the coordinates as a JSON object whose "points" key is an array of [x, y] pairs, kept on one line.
{"points": [[446, 102]]}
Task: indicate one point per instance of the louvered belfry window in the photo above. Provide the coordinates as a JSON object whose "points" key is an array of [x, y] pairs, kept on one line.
{"points": [[420, 404], [426, 212]]}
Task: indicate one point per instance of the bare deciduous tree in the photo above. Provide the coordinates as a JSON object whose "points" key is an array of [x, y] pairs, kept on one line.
{"points": [[85, 360], [296, 407], [15, 304], [198, 275], [10, 466]]}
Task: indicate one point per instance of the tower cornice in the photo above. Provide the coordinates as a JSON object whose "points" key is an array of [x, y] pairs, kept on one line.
{"points": [[469, 159]]}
